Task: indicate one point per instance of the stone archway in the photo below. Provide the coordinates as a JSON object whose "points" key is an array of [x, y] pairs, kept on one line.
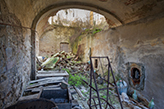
{"points": [[139, 41], [50, 9]]}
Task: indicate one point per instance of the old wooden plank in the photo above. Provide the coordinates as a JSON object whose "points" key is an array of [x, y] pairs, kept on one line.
{"points": [[50, 71], [47, 79], [66, 75], [29, 97], [53, 75], [43, 84], [41, 89]]}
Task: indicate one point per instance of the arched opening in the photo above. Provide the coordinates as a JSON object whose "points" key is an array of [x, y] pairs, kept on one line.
{"points": [[49, 11], [139, 40]]}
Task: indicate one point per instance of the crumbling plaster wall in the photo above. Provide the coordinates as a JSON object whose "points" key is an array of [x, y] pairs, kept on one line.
{"points": [[15, 57], [24, 11], [49, 42], [140, 42]]}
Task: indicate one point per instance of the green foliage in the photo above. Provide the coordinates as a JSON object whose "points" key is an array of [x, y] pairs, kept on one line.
{"points": [[93, 31], [66, 70], [68, 57], [86, 30], [31, 83], [75, 80], [96, 30], [84, 78], [104, 96], [74, 46], [106, 73], [51, 63], [76, 62]]}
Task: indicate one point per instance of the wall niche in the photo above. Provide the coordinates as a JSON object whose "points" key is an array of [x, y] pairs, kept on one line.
{"points": [[136, 75]]}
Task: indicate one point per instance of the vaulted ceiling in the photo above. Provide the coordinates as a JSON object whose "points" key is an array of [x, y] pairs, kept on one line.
{"points": [[118, 12]]}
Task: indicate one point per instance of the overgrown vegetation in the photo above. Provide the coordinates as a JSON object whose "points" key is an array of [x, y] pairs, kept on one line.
{"points": [[74, 46], [95, 30], [86, 33], [75, 80]]}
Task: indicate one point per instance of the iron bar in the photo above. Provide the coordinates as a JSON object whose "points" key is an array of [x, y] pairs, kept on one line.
{"points": [[108, 82], [116, 86], [96, 87], [94, 102], [90, 85], [97, 105], [105, 101], [108, 85]]}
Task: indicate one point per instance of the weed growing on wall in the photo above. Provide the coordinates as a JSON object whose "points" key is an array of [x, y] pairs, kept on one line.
{"points": [[96, 30]]}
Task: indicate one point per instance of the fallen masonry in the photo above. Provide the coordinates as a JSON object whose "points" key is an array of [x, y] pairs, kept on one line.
{"points": [[63, 81], [62, 60], [80, 72]]}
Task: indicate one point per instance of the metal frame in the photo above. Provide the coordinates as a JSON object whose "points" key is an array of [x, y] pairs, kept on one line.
{"points": [[92, 75]]}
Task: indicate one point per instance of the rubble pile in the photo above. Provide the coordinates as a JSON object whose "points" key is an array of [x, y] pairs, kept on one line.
{"points": [[79, 71], [63, 60]]}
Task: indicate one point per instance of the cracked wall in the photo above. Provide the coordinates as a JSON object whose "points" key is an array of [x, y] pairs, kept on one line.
{"points": [[15, 57], [49, 42], [140, 43], [137, 42]]}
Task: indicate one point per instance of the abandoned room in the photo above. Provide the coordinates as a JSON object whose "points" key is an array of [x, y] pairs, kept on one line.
{"points": [[81, 54]]}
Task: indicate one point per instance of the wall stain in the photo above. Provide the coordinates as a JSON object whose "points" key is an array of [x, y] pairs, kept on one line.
{"points": [[142, 11], [131, 2]]}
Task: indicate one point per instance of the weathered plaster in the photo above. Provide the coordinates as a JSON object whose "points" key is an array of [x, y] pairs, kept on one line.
{"points": [[135, 43], [15, 57]]}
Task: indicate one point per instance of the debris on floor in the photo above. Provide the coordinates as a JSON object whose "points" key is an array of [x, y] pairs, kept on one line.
{"points": [[63, 60], [54, 89], [78, 71]]}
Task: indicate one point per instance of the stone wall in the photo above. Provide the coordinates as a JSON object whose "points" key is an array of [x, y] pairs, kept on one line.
{"points": [[49, 41], [139, 45], [15, 57]]}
